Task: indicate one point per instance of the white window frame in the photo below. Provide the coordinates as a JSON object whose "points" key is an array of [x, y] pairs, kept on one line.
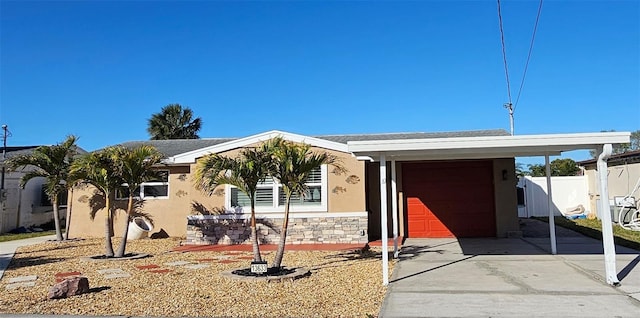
{"points": [[277, 207], [156, 183]]}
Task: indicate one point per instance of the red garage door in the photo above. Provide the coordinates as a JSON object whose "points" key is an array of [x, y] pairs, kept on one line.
{"points": [[449, 199]]}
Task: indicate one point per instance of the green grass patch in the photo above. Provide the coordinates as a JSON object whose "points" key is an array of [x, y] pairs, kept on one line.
{"points": [[12, 237], [593, 228]]}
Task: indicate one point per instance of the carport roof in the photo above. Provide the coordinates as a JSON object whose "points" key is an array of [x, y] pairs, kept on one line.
{"points": [[484, 146]]}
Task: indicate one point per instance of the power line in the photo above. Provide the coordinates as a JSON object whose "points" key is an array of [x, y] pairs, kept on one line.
{"points": [[504, 53], [526, 65]]}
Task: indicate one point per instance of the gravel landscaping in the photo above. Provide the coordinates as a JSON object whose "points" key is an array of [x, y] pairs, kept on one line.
{"points": [[341, 284]]}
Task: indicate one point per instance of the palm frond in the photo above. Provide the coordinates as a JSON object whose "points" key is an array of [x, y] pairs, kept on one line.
{"points": [[174, 122], [293, 163], [30, 175]]}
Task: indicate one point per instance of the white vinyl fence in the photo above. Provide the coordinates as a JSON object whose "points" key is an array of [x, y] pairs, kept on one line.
{"points": [[567, 192]]}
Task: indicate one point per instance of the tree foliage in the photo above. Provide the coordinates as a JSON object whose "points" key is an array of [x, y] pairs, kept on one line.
{"points": [[107, 170], [136, 165], [52, 163], [174, 122], [100, 169], [635, 140], [520, 172], [558, 167]]}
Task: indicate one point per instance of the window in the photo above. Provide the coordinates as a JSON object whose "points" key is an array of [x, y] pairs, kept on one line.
{"points": [[271, 198], [520, 195], [313, 196], [157, 189], [45, 201], [264, 195]]}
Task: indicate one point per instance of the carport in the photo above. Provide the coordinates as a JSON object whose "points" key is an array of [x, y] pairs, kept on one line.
{"points": [[479, 156]]}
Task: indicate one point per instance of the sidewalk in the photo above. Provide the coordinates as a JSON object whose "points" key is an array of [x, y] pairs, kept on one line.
{"points": [[7, 249]]}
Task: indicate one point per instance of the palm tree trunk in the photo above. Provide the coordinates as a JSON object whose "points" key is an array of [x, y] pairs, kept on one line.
{"points": [[283, 234], [112, 214], [123, 243], [56, 219], [68, 220], [254, 235], [108, 246]]}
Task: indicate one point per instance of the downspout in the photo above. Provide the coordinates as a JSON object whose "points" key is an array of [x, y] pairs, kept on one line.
{"points": [[607, 227]]}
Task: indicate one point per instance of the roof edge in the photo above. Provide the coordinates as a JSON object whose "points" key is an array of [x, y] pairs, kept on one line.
{"points": [[191, 156]]}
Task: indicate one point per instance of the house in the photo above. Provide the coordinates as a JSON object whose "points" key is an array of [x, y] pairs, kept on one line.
{"points": [[335, 211], [22, 207], [623, 178], [457, 184]]}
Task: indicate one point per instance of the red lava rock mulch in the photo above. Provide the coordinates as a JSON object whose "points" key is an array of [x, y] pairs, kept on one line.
{"points": [[160, 271], [150, 266], [268, 247]]}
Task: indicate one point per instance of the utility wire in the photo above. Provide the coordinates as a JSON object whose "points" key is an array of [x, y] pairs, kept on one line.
{"points": [[504, 54], [526, 65]]}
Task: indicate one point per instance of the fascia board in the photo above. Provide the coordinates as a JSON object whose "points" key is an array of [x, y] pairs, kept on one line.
{"points": [[191, 156], [583, 140], [457, 154]]}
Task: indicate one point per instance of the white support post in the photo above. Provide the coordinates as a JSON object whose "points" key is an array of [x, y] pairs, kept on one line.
{"points": [[383, 221], [605, 215], [394, 208], [552, 221]]}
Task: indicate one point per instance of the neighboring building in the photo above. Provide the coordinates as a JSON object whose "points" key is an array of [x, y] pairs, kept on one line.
{"points": [[23, 207], [459, 184], [623, 175]]}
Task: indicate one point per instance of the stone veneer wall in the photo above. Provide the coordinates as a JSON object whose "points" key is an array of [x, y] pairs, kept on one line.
{"points": [[314, 230]]}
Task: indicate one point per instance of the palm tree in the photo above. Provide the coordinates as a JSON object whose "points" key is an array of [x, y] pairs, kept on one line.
{"points": [[174, 122], [102, 170], [136, 167], [52, 163], [292, 165], [244, 172]]}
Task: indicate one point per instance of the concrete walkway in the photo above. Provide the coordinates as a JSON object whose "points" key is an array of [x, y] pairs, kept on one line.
{"points": [[7, 249], [511, 278]]}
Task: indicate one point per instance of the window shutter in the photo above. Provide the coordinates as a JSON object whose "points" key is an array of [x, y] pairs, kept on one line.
{"points": [[238, 198], [264, 197], [313, 196], [315, 176]]}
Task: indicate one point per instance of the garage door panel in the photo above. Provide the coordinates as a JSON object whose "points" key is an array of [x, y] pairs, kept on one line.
{"points": [[423, 221], [436, 225], [449, 199], [419, 226]]}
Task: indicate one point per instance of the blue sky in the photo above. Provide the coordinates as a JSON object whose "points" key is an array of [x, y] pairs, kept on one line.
{"points": [[100, 69]]}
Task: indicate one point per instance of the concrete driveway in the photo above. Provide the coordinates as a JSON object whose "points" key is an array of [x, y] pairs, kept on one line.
{"points": [[511, 278]]}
